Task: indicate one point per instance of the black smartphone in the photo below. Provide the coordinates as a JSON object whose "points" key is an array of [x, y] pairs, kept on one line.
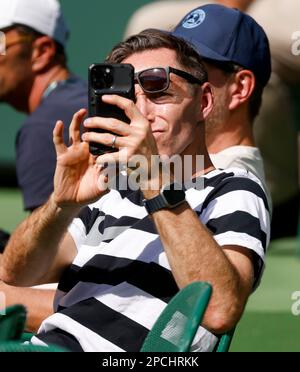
{"points": [[108, 78]]}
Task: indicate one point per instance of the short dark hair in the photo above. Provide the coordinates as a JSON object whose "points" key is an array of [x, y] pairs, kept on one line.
{"points": [[255, 101], [155, 39], [28, 31]]}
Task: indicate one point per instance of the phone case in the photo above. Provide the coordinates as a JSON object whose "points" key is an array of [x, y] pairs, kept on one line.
{"points": [[106, 78]]}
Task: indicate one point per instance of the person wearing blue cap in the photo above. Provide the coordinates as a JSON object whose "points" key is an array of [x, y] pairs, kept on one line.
{"points": [[235, 51], [121, 253], [276, 125], [35, 79], [232, 45]]}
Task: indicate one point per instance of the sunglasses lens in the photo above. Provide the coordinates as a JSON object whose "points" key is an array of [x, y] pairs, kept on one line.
{"points": [[154, 80]]}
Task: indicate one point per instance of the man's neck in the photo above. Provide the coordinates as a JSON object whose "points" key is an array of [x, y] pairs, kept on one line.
{"points": [[42, 82], [199, 162], [238, 133]]}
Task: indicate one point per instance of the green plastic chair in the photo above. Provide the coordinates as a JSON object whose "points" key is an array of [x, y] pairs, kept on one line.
{"points": [[12, 323], [16, 347], [12, 334], [175, 329], [224, 342]]}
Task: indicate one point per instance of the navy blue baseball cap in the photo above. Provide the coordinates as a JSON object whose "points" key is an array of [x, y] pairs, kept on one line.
{"points": [[227, 35]]}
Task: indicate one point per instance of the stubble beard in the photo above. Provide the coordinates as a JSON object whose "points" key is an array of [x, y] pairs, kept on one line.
{"points": [[217, 118]]}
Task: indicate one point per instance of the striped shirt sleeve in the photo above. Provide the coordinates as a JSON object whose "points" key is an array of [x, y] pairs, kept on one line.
{"points": [[237, 213]]}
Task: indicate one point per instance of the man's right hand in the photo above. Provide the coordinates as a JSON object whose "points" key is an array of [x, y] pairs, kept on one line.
{"points": [[77, 180]]}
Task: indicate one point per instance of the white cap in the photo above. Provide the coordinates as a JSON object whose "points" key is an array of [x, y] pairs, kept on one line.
{"points": [[44, 16]]}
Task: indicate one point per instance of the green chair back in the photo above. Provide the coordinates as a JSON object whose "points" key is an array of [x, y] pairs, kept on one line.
{"points": [[12, 323], [16, 347], [177, 325], [26, 336], [12, 326], [175, 329], [224, 342]]}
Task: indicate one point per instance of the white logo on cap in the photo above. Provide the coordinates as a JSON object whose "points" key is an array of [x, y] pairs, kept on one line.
{"points": [[194, 19]]}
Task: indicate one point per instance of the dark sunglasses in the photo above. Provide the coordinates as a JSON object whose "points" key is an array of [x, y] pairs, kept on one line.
{"points": [[157, 79]]}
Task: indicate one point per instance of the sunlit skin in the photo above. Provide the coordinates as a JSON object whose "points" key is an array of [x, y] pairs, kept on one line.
{"points": [[27, 69], [16, 75], [228, 123], [171, 114], [173, 121]]}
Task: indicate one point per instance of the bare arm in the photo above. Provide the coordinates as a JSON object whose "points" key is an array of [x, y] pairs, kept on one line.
{"points": [[40, 249], [38, 302], [194, 255], [37, 252]]}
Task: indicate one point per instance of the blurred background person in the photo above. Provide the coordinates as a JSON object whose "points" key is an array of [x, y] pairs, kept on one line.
{"points": [[35, 79], [275, 129], [238, 70]]}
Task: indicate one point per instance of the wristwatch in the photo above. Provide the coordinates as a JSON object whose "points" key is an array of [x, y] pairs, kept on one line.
{"points": [[170, 196]]}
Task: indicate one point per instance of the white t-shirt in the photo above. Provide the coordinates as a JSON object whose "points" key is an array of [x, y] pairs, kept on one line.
{"points": [[245, 157]]}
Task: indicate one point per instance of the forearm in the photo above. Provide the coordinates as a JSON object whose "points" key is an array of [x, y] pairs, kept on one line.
{"points": [[194, 255], [38, 302], [34, 245]]}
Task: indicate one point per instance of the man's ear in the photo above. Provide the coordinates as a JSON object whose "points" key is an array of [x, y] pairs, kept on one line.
{"points": [[241, 88], [207, 100], [43, 53]]}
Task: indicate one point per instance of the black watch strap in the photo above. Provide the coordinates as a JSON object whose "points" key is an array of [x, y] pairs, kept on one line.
{"points": [[154, 204], [170, 196]]}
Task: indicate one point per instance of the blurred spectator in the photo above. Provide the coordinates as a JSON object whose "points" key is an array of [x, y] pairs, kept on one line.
{"points": [[35, 79], [237, 79], [275, 129]]}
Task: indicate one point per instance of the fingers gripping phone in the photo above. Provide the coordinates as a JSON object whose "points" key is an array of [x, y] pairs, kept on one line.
{"points": [[107, 78]]}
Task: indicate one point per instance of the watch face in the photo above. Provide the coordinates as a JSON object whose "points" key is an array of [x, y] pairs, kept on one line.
{"points": [[174, 194]]}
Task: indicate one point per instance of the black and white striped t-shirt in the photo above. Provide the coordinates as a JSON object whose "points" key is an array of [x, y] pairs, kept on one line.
{"points": [[120, 280]]}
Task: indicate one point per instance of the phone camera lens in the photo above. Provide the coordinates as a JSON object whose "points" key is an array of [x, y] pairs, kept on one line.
{"points": [[108, 79], [102, 79]]}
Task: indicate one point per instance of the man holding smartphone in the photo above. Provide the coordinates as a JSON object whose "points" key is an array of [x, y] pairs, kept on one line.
{"points": [[129, 251]]}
